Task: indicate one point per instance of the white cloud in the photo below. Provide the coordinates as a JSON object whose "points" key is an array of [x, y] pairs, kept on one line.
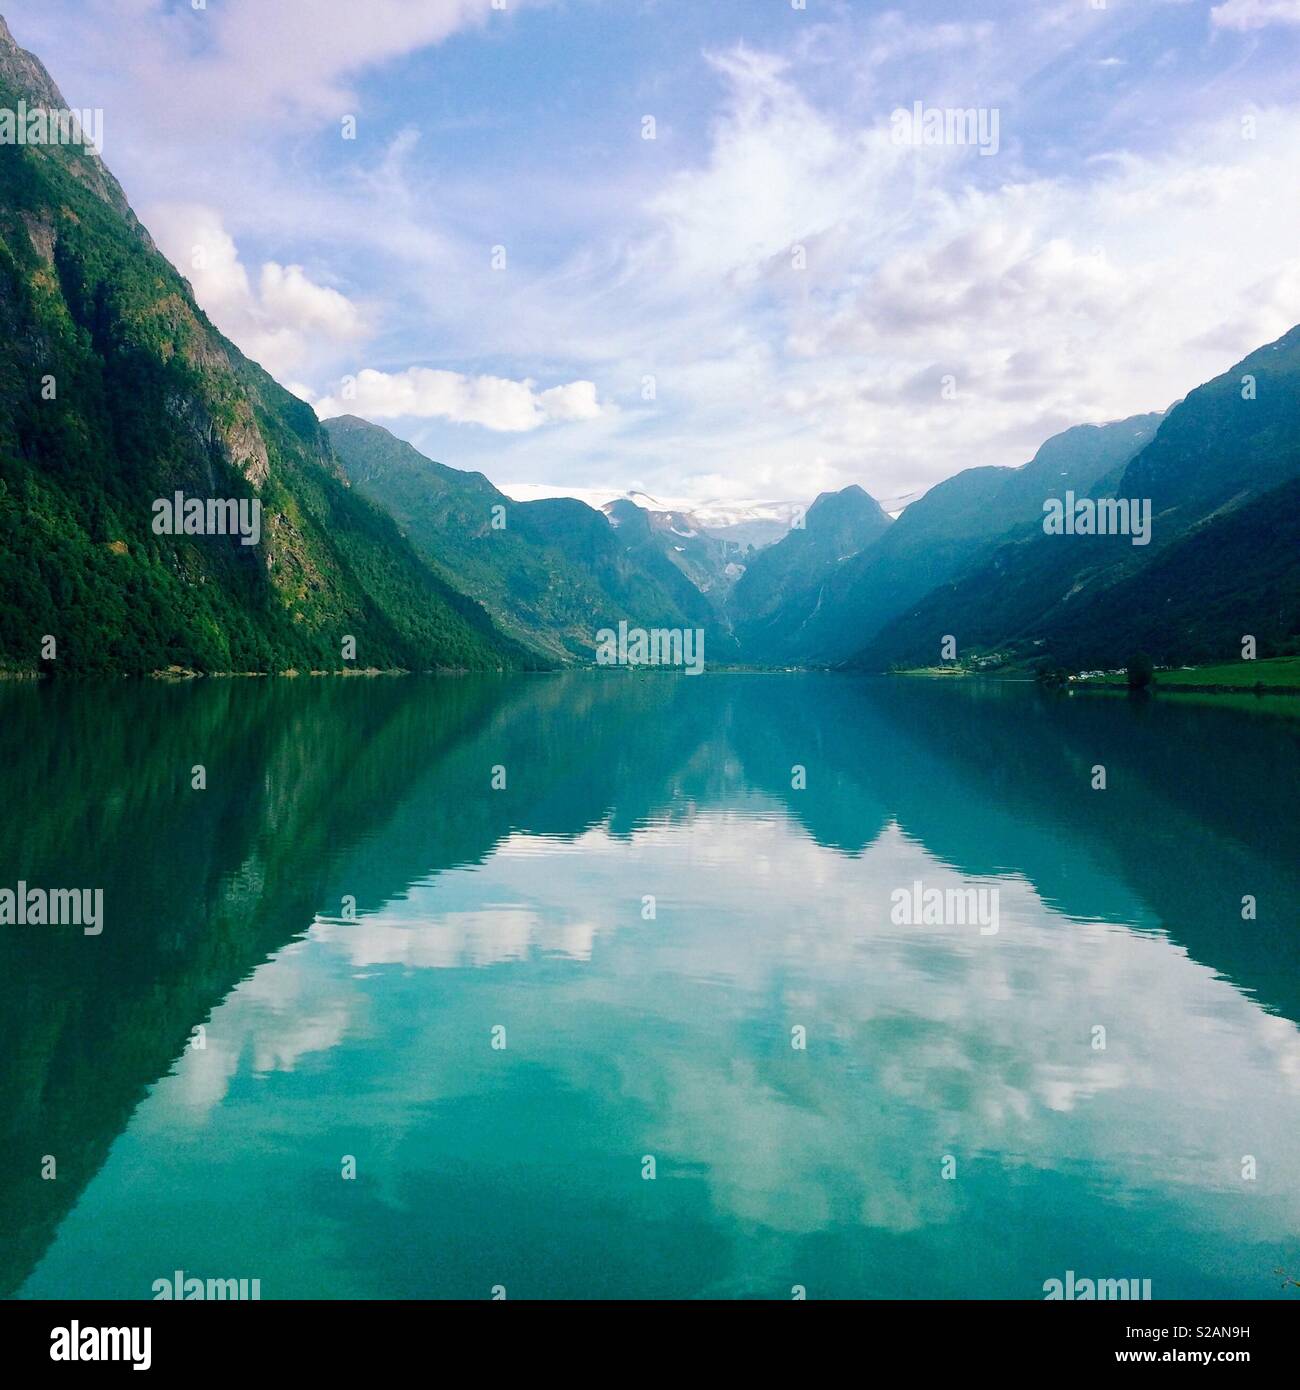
{"points": [[494, 402], [240, 63], [1244, 15], [1106, 261], [577, 401], [288, 296], [283, 323], [778, 174], [1109, 289]]}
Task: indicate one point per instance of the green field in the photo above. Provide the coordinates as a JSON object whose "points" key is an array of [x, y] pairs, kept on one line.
{"points": [[1279, 674]]}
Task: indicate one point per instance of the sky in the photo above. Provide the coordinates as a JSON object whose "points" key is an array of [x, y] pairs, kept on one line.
{"points": [[590, 246]]}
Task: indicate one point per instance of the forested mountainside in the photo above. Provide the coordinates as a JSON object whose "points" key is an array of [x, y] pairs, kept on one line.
{"points": [[827, 615], [1222, 560], [117, 391], [552, 573]]}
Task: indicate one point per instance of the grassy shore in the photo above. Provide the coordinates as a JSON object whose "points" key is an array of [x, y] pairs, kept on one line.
{"points": [[1278, 675]]}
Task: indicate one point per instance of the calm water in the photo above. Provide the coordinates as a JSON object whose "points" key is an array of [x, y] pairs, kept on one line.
{"points": [[522, 909]]}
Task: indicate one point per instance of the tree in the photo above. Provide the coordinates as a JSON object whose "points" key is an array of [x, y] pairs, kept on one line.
{"points": [[1140, 671]]}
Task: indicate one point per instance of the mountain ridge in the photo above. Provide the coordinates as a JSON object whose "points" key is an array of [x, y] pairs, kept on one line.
{"points": [[830, 616], [551, 572], [117, 390], [1223, 448]]}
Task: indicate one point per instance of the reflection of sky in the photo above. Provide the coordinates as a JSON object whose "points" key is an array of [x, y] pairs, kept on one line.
{"points": [[921, 1040], [672, 1036]]}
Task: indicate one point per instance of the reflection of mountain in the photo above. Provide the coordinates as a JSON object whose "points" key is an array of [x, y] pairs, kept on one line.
{"points": [[994, 779], [365, 789], [230, 874]]}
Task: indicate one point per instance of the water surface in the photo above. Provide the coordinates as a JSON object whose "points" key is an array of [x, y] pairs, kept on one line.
{"points": [[334, 1030]]}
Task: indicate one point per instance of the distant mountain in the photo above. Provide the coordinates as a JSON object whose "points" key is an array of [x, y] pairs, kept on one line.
{"points": [[710, 563], [1221, 562], [116, 391], [741, 524], [825, 617], [748, 533], [838, 527], [551, 572]]}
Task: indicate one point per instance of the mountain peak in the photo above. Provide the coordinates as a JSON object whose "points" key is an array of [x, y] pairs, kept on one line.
{"points": [[850, 504], [25, 74], [23, 77]]}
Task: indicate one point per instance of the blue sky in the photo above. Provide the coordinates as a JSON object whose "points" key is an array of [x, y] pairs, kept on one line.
{"points": [[770, 298]]}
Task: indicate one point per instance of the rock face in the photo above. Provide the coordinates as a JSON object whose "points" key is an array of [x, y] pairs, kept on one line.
{"points": [[116, 390]]}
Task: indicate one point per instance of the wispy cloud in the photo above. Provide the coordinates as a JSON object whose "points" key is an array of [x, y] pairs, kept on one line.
{"points": [[422, 393], [285, 321], [770, 298], [1255, 14]]}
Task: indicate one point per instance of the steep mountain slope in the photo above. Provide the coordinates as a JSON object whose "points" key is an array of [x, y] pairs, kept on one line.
{"points": [[115, 391], [832, 616], [551, 572], [1237, 574], [1220, 563], [837, 527]]}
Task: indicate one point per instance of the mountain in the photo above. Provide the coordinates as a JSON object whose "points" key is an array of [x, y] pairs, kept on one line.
{"points": [[1237, 574], [117, 391], [1220, 477], [825, 617], [550, 572], [838, 526], [711, 563], [741, 524]]}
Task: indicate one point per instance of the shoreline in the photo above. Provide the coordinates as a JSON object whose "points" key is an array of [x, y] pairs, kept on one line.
{"points": [[1162, 682], [1110, 685]]}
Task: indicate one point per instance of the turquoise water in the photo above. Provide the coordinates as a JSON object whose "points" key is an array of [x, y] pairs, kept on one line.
{"points": [[330, 1032]]}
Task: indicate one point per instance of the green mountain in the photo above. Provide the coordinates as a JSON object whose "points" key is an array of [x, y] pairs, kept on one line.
{"points": [[1222, 561], [551, 573], [791, 575], [827, 616], [116, 391], [1199, 595]]}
